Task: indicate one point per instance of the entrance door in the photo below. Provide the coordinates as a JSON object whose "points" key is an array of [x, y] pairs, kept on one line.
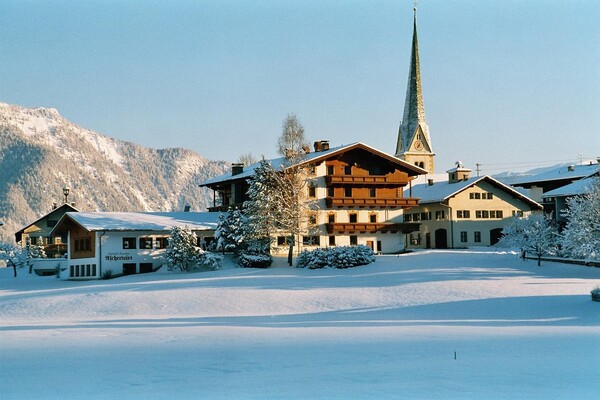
{"points": [[129, 269], [441, 239], [370, 244], [495, 235]]}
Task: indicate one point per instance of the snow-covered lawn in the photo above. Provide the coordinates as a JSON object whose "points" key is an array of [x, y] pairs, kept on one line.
{"points": [[472, 324]]}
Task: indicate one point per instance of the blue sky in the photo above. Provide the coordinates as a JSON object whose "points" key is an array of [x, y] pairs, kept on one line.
{"points": [[508, 84]]}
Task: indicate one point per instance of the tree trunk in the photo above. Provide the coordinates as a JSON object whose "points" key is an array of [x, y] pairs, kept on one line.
{"points": [[539, 259], [291, 251]]}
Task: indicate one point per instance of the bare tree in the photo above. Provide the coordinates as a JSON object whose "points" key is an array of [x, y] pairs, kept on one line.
{"points": [[291, 143], [247, 159]]}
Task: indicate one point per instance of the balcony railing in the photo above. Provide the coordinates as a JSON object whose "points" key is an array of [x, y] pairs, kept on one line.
{"points": [[371, 202], [371, 227], [383, 180]]}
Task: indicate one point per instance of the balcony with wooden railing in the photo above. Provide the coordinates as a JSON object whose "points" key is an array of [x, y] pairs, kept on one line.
{"points": [[367, 180], [372, 202], [371, 227]]}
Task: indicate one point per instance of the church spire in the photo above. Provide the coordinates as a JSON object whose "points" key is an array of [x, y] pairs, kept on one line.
{"points": [[413, 136]]}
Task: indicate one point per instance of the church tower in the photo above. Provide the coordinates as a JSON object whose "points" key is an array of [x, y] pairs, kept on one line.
{"points": [[414, 142]]}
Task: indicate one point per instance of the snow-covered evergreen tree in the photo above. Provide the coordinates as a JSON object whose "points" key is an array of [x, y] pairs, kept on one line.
{"points": [[36, 248], [231, 228], [537, 234], [183, 254], [581, 236], [261, 204]]}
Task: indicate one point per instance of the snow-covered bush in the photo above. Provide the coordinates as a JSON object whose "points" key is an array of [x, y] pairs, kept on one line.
{"points": [[183, 254], [255, 260], [596, 293], [336, 257]]}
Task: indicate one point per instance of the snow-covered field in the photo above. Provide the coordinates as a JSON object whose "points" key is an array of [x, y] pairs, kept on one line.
{"points": [[471, 324]]}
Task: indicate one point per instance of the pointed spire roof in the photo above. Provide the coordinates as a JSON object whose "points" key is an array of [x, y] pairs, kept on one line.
{"points": [[414, 107]]}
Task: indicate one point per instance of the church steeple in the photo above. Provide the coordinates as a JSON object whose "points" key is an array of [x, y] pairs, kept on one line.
{"points": [[414, 143]]}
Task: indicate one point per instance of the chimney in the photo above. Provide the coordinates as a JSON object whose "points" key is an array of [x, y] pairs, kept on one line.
{"points": [[54, 206], [321, 145], [571, 168], [306, 149], [429, 182], [187, 208], [73, 204], [237, 168]]}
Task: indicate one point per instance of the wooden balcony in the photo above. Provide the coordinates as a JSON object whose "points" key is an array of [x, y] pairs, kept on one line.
{"points": [[366, 180], [371, 202], [371, 227]]}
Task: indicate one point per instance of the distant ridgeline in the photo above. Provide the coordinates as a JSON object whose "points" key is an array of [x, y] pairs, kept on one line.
{"points": [[41, 152]]}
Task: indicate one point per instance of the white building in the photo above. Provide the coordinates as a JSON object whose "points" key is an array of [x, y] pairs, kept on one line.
{"points": [[124, 243]]}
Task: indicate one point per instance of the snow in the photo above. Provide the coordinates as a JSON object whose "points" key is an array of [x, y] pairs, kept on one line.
{"points": [[121, 221], [390, 329]]}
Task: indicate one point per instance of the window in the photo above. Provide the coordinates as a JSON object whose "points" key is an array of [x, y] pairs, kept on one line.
{"points": [[161, 242], [416, 217], [332, 240], [485, 214], [426, 216], [312, 219], [499, 214], [282, 241], [379, 247], [145, 268], [145, 243], [353, 240], [348, 191], [129, 243], [330, 170], [487, 196], [463, 214], [478, 214], [330, 192], [312, 169], [72, 271], [311, 240], [415, 239], [330, 218], [353, 218], [463, 236], [373, 218], [348, 170], [372, 192], [440, 215], [477, 237], [93, 269], [475, 196], [407, 217], [312, 191]]}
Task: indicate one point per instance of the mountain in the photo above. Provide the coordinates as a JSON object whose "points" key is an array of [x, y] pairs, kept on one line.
{"points": [[41, 152]]}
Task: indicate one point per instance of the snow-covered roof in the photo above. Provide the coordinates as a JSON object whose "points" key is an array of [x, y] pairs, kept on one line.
{"points": [[570, 172], [441, 191], [581, 186], [277, 163], [139, 221]]}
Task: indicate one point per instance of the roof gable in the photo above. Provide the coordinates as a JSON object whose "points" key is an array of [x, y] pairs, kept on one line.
{"points": [[443, 191], [316, 157]]}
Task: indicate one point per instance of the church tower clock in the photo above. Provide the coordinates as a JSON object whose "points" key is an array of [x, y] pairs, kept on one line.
{"points": [[414, 142]]}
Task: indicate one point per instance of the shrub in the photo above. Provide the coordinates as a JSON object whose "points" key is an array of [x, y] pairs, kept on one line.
{"points": [[255, 260], [596, 293], [336, 257], [107, 274]]}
